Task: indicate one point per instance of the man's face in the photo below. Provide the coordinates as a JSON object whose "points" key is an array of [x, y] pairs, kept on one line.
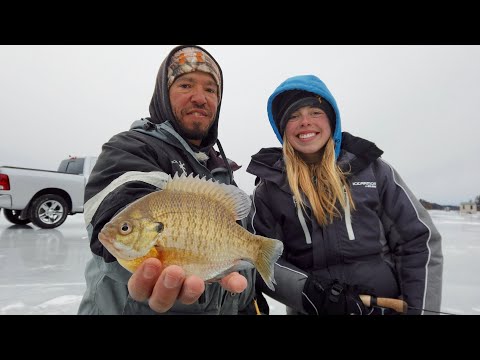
{"points": [[194, 101]]}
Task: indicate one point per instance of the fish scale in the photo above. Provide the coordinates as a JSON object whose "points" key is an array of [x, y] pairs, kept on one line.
{"points": [[197, 220]]}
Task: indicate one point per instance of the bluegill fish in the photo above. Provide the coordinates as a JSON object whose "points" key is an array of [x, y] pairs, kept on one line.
{"points": [[191, 223]]}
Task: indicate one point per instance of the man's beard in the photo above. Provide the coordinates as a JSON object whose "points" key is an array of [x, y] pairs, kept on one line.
{"points": [[195, 133]]}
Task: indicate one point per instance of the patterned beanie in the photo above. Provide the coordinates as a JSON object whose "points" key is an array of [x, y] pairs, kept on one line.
{"points": [[192, 59]]}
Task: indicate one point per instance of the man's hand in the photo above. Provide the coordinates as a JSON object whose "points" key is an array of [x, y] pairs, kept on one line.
{"points": [[163, 286]]}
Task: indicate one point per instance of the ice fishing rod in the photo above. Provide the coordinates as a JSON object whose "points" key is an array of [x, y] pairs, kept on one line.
{"points": [[398, 305]]}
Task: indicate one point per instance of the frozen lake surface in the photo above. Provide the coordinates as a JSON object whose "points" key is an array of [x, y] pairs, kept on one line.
{"points": [[41, 271]]}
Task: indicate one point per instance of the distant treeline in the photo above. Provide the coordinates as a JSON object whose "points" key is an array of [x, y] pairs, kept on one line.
{"points": [[432, 206]]}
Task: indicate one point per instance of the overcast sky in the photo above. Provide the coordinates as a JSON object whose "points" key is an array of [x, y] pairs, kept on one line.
{"points": [[420, 104]]}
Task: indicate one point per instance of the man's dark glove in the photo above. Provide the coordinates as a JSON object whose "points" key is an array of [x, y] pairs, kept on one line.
{"points": [[330, 297]]}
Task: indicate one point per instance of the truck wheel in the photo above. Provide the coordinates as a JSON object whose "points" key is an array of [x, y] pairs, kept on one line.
{"points": [[49, 211], [14, 217]]}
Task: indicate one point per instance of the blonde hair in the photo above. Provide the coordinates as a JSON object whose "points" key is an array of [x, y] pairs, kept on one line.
{"points": [[323, 183]]}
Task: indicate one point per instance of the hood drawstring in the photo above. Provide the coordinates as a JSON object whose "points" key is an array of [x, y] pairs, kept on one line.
{"points": [[348, 217], [230, 172]]}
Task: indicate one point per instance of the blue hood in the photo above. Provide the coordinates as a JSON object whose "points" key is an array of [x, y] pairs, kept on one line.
{"points": [[315, 85]]}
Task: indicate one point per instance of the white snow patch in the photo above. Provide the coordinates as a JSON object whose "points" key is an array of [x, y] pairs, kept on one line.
{"points": [[62, 305], [59, 301], [12, 308]]}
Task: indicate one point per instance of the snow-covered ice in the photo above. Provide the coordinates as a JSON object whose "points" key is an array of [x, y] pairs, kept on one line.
{"points": [[41, 271]]}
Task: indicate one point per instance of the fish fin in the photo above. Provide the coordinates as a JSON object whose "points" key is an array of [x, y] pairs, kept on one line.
{"points": [[235, 200], [270, 251], [239, 265]]}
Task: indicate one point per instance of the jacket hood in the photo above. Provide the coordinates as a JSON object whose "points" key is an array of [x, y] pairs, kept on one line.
{"points": [[160, 107], [314, 85]]}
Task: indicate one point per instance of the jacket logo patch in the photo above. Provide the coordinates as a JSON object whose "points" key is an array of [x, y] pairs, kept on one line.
{"points": [[180, 165], [367, 184]]}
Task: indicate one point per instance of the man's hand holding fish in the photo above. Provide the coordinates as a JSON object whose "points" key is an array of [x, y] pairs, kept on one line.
{"points": [[163, 288]]}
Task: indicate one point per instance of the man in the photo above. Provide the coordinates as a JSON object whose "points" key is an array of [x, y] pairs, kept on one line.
{"points": [[178, 137]]}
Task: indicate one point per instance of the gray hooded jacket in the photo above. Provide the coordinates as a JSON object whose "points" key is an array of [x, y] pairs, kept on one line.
{"points": [[131, 165]]}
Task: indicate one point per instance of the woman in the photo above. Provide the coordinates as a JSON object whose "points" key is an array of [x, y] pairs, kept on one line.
{"points": [[348, 222]]}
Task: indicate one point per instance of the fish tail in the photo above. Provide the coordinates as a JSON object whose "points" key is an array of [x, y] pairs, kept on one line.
{"points": [[270, 251]]}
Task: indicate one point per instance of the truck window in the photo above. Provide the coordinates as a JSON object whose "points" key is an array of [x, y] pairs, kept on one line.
{"points": [[72, 166]]}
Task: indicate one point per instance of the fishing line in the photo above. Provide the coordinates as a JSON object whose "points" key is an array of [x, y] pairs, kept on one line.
{"points": [[432, 311]]}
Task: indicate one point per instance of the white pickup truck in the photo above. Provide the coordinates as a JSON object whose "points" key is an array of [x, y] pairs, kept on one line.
{"points": [[44, 197]]}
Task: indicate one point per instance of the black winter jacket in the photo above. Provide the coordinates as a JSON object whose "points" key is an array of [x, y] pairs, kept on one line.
{"points": [[388, 244]]}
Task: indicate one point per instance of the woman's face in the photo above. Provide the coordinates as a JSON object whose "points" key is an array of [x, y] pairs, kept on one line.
{"points": [[308, 130]]}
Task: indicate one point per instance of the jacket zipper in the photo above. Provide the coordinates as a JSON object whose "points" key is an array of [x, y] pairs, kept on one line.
{"points": [[348, 217], [308, 238]]}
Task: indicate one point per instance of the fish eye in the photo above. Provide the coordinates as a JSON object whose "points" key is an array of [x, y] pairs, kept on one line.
{"points": [[159, 227], [125, 229]]}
